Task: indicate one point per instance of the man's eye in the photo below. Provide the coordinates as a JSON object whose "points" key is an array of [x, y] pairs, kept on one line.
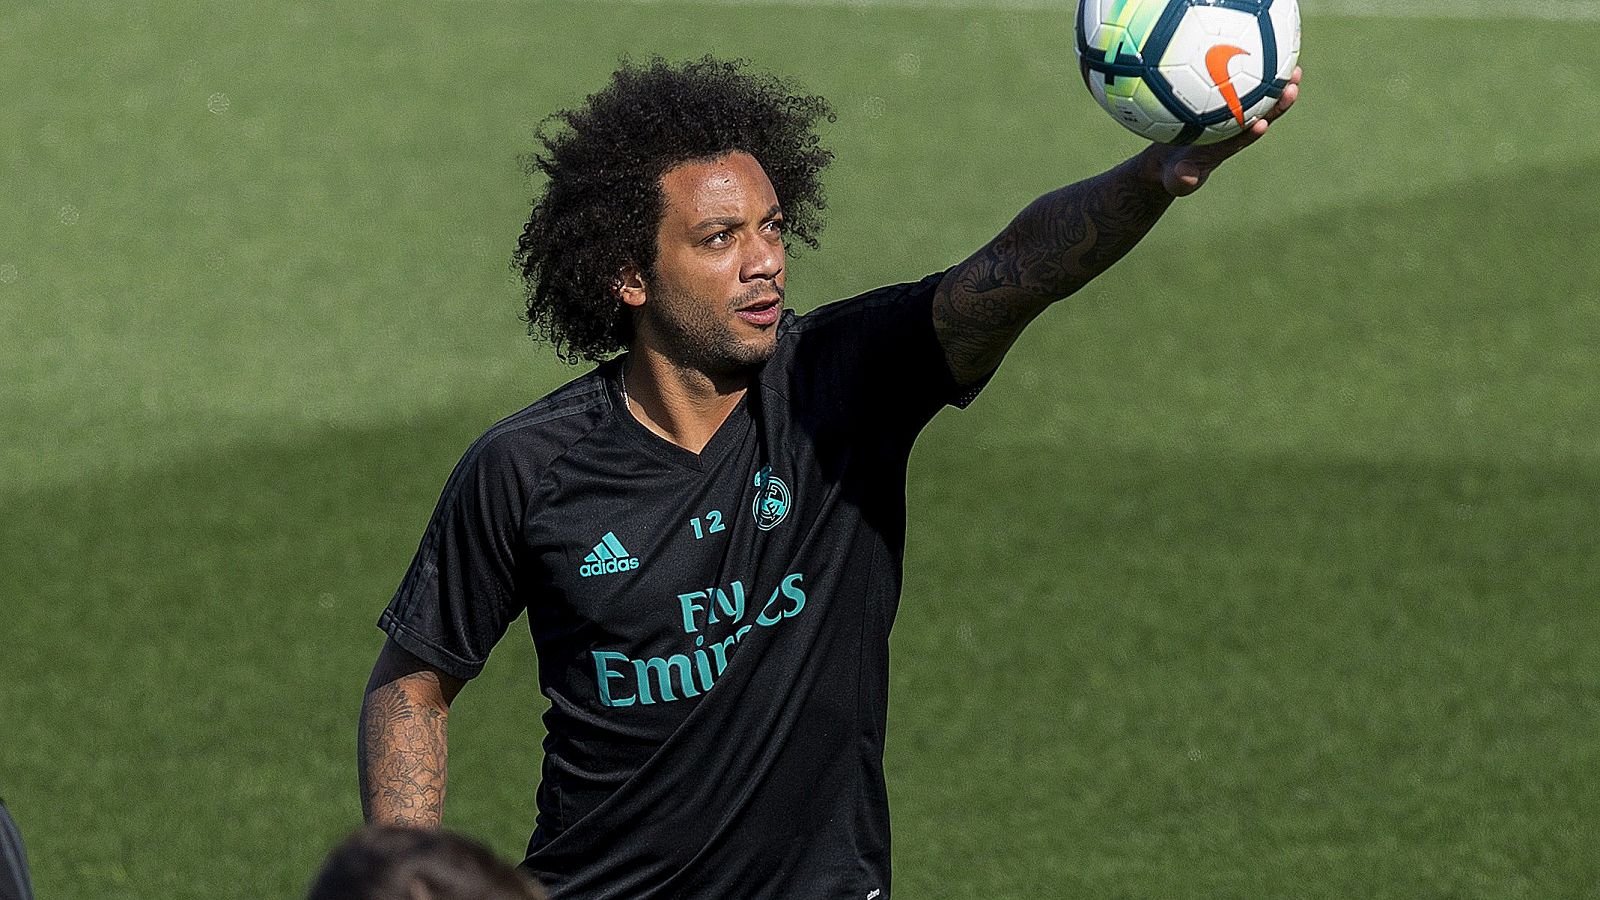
{"points": [[777, 225], [718, 238]]}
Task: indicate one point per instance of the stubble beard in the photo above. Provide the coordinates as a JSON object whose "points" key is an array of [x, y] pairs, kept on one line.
{"points": [[696, 336]]}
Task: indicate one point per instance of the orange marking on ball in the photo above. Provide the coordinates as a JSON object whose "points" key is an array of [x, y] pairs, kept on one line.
{"points": [[1217, 59]]}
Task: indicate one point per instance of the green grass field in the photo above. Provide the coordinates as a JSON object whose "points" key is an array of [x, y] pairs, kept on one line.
{"points": [[1267, 567]]}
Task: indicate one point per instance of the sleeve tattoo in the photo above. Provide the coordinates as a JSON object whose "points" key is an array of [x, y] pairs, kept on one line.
{"points": [[403, 756], [1055, 246]]}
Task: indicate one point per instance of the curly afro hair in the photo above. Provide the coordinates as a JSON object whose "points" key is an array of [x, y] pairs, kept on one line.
{"points": [[602, 202]]}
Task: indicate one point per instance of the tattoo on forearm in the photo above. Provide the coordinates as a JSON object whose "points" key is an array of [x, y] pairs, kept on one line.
{"points": [[402, 756], [1054, 247]]}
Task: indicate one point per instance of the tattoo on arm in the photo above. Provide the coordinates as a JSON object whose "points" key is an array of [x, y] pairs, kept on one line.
{"points": [[1055, 246], [402, 753]]}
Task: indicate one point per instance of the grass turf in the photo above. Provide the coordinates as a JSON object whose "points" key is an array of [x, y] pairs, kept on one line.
{"points": [[1265, 567]]}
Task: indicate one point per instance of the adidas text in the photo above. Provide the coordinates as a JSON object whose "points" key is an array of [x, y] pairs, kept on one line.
{"points": [[609, 567]]}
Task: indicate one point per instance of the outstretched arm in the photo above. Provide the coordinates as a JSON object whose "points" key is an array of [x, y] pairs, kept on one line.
{"points": [[402, 751], [1062, 240]]}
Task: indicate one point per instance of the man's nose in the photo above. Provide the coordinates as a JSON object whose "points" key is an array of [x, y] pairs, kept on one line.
{"points": [[763, 260]]}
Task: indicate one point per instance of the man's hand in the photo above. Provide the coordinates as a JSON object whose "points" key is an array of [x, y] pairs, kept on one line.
{"points": [[1184, 169]]}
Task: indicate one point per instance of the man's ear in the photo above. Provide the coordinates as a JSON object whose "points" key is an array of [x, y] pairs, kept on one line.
{"points": [[630, 286]]}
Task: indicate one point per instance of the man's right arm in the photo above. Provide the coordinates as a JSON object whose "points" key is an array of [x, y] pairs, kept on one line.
{"points": [[401, 753]]}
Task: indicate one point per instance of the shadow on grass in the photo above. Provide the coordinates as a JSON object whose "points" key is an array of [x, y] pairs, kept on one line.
{"points": [[190, 646]]}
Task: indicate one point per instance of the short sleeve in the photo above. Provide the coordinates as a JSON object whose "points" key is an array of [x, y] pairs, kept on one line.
{"points": [[459, 596], [877, 359]]}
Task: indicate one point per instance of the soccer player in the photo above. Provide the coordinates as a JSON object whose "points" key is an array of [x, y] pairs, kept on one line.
{"points": [[707, 531]]}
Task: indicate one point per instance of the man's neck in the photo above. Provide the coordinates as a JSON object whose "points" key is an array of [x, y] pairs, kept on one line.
{"points": [[685, 406]]}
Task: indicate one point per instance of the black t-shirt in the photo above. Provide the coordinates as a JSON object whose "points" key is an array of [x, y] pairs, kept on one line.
{"points": [[712, 630]]}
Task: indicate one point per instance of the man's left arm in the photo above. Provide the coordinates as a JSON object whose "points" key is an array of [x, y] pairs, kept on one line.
{"points": [[1062, 240]]}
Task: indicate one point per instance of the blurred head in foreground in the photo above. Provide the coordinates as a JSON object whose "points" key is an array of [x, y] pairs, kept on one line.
{"points": [[388, 863]]}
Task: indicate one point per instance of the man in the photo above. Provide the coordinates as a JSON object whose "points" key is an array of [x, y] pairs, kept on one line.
{"points": [[707, 532]]}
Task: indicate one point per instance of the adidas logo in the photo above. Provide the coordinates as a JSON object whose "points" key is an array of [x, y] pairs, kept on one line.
{"points": [[608, 558]]}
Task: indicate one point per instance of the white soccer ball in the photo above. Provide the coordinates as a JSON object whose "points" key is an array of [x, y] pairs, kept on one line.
{"points": [[1187, 71]]}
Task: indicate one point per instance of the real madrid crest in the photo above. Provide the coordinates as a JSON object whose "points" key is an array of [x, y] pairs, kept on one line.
{"points": [[772, 500]]}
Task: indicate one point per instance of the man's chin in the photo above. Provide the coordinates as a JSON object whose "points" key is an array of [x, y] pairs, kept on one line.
{"points": [[726, 352], [749, 355]]}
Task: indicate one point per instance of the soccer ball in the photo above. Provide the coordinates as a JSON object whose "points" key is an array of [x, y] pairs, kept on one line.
{"points": [[1187, 71]]}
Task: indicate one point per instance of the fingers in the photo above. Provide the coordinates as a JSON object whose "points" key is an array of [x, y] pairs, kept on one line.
{"points": [[1212, 155], [1249, 136], [1291, 93]]}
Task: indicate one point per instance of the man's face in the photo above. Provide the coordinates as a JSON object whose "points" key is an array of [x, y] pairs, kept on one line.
{"points": [[715, 296]]}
